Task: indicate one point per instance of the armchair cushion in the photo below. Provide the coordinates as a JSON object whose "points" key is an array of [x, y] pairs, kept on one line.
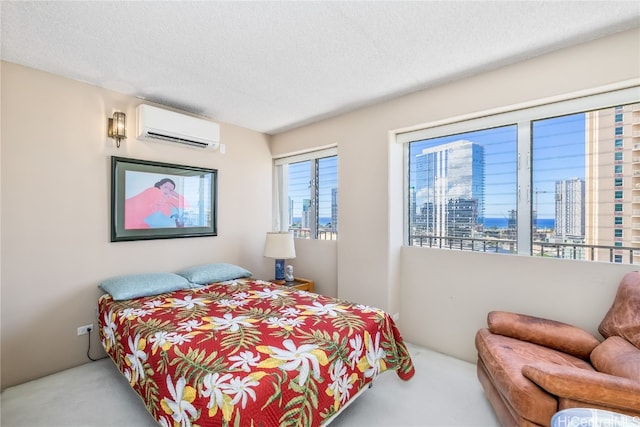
{"points": [[503, 358], [616, 356], [622, 317], [549, 333], [584, 385]]}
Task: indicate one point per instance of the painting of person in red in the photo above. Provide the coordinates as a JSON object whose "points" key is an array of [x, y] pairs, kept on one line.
{"points": [[157, 207]]}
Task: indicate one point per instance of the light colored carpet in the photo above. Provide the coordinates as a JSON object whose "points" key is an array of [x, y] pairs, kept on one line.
{"points": [[443, 392]]}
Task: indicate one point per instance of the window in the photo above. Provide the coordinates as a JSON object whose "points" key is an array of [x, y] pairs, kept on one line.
{"points": [[307, 186], [464, 185], [534, 181], [557, 173]]}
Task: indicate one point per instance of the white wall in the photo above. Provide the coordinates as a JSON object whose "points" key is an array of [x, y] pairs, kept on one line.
{"points": [[55, 199], [443, 296], [446, 295], [316, 260]]}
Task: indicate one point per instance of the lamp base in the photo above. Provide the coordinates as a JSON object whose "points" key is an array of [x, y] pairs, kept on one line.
{"points": [[280, 269]]}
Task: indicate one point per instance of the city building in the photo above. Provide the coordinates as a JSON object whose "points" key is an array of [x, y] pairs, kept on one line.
{"points": [[612, 193], [334, 210], [570, 212], [449, 190], [306, 214]]}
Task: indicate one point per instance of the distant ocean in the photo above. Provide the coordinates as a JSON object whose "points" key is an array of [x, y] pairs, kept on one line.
{"points": [[504, 222]]}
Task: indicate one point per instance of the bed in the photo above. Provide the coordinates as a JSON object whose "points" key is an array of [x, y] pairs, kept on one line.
{"points": [[248, 352]]}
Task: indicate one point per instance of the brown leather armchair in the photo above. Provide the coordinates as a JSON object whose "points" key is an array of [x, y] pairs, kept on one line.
{"points": [[531, 368]]}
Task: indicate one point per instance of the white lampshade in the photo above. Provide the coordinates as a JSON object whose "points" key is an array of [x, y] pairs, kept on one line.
{"points": [[279, 245]]}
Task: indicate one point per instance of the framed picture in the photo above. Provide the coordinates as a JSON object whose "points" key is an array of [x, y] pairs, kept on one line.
{"points": [[151, 200]]}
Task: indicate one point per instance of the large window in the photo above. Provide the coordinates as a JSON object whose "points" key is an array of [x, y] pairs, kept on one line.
{"points": [[307, 188], [464, 186], [556, 180]]}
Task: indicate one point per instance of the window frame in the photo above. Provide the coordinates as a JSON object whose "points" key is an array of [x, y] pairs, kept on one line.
{"points": [[522, 115], [280, 184]]}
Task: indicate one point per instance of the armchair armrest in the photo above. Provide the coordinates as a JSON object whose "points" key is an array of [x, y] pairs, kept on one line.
{"points": [[549, 333], [585, 386]]}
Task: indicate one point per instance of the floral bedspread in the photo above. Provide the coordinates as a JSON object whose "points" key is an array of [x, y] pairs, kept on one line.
{"points": [[248, 353]]}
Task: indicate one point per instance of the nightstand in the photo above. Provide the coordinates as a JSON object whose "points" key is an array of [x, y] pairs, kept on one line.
{"points": [[298, 283]]}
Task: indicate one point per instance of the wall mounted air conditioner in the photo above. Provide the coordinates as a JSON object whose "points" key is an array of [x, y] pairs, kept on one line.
{"points": [[157, 124]]}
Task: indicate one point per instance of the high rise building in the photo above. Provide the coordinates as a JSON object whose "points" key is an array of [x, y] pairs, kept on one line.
{"points": [[613, 181], [305, 217], [449, 190], [570, 209], [334, 210], [290, 210]]}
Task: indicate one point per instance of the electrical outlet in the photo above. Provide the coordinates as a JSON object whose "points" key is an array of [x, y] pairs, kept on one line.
{"points": [[82, 330]]}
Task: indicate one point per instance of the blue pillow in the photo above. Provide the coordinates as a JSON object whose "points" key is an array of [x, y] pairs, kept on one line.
{"points": [[212, 273], [142, 285]]}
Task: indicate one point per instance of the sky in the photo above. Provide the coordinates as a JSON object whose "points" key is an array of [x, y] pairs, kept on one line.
{"points": [[558, 152]]}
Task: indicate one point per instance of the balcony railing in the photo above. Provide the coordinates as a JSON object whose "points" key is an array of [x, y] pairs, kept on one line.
{"points": [[323, 233], [465, 243], [577, 251]]}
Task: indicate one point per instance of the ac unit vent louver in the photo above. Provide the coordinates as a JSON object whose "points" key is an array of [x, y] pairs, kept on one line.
{"points": [[157, 124]]}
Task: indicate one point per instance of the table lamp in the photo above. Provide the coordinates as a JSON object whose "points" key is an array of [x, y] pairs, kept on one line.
{"points": [[279, 245]]}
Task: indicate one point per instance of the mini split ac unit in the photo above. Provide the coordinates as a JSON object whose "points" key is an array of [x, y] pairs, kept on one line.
{"points": [[157, 124]]}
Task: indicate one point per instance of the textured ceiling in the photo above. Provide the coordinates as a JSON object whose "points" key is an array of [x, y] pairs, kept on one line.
{"points": [[274, 65]]}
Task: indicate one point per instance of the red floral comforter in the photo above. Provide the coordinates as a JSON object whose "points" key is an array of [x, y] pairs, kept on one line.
{"points": [[248, 353]]}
